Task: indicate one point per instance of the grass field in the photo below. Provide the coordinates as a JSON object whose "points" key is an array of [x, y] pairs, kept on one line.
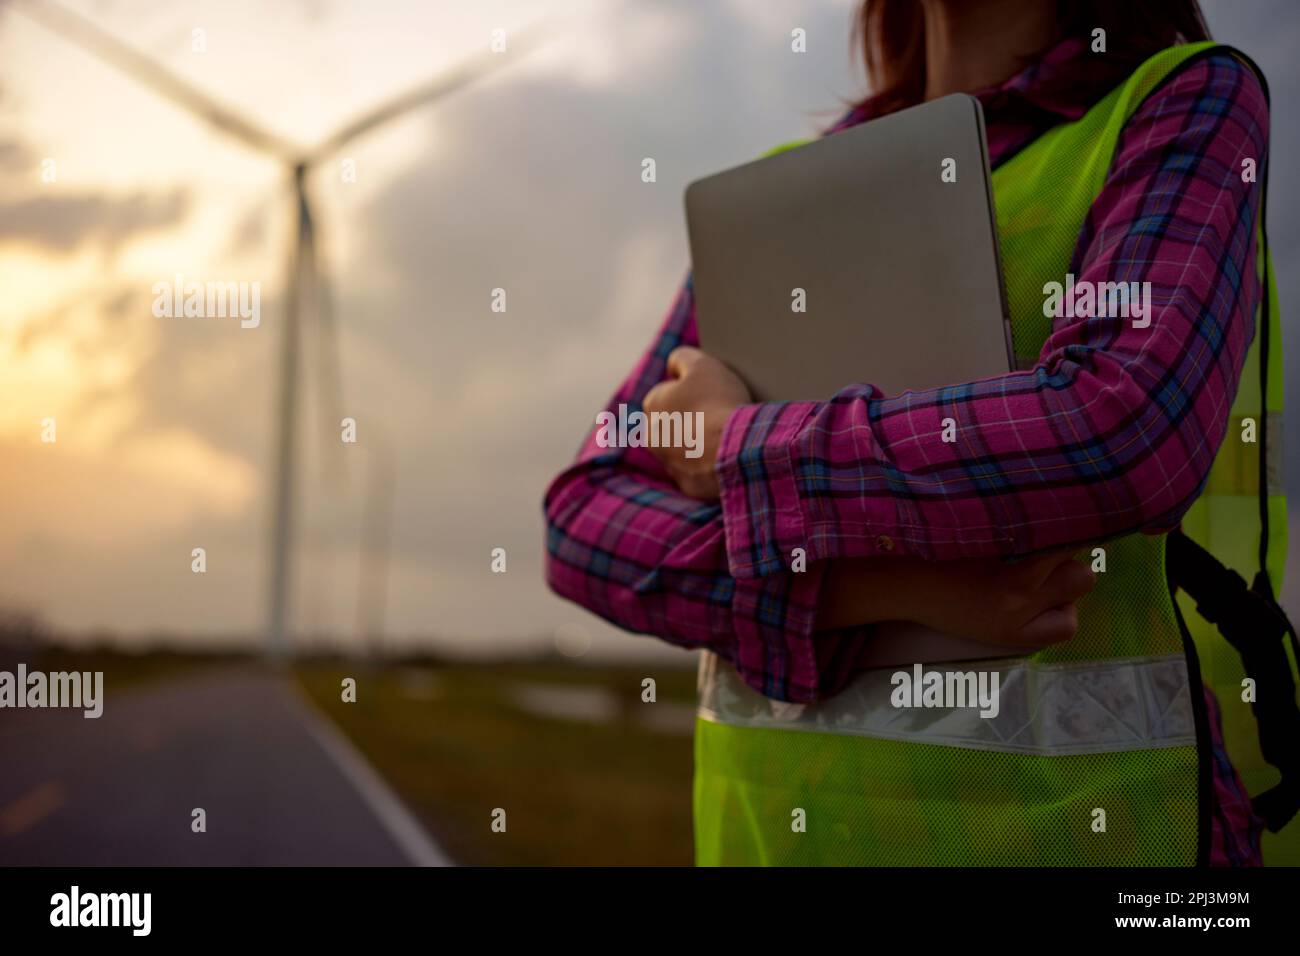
{"points": [[458, 741]]}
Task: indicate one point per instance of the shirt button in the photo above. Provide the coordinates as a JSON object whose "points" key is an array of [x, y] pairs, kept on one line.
{"points": [[885, 543]]}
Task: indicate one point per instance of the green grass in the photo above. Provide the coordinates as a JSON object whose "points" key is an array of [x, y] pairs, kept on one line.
{"points": [[574, 792]]}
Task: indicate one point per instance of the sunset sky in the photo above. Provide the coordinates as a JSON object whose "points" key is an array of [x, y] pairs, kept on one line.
{"points": [[529, 180]]}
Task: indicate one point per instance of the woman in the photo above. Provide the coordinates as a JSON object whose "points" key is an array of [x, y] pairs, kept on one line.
{"points": [[1116, 156]]}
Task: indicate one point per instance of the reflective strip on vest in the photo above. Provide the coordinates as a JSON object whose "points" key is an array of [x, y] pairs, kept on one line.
{"points": [[1044, 710]]}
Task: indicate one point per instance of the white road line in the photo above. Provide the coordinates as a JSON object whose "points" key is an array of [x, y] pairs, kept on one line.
{"points": [[405, 830], [594, 705], [599, 705]]}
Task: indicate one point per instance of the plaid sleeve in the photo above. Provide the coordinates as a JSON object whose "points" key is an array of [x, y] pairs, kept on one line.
{"points": [[623, 542], [1113, 431]]}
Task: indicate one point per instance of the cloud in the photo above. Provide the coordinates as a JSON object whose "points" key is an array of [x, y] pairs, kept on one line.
{"points": [[62, 223], [530, 182], [15, 157]]}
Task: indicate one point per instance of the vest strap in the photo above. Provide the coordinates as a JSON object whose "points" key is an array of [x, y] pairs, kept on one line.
{"points": [[1251, 620]]}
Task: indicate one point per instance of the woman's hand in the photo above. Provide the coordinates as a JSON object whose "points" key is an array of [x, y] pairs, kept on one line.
{"points": [[698, 383], [1028, 603]]}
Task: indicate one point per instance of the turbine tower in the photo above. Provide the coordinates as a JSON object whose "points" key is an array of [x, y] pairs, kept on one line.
{"points": [[307, 287]]}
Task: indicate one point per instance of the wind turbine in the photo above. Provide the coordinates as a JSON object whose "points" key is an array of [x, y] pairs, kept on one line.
{"points": [[306, 278]]}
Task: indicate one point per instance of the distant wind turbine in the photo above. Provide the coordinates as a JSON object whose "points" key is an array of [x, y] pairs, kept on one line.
{"points": [[306, 280]]}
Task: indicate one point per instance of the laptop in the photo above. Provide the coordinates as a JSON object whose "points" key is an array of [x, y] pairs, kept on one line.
{"points": [[868, 256]]}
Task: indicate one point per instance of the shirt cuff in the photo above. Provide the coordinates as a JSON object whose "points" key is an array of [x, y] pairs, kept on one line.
{"points": [[774, 619], [761, 513]]}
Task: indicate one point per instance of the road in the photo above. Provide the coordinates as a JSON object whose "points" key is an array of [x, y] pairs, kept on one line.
{"points": [[278, 783]]}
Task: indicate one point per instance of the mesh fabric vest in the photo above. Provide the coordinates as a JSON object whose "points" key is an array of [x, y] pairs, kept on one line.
{"points": [[1098, 755]]}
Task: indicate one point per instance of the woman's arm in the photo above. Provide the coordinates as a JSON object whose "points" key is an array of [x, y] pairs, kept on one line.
{"points": [[1115, 429], [625, 543]]}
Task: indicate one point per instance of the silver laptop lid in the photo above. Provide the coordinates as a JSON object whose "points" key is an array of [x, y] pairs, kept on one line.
{"points": [[885, 230]]}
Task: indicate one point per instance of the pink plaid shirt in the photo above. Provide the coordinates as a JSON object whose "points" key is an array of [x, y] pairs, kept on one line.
{"points": [[1112, 432]]}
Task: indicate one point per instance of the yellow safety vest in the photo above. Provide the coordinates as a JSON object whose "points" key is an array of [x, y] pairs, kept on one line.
{"points": [[1098, 754]]}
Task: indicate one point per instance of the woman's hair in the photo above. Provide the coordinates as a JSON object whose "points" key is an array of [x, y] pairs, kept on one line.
{"points": [[891, 36]]}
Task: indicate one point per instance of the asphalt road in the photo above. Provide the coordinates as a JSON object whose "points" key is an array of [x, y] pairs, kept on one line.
{"points": [[278, 783]]}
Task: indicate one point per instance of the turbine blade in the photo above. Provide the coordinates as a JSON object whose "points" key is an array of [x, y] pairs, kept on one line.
{"points": [[521, 43], [92, 38]]}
